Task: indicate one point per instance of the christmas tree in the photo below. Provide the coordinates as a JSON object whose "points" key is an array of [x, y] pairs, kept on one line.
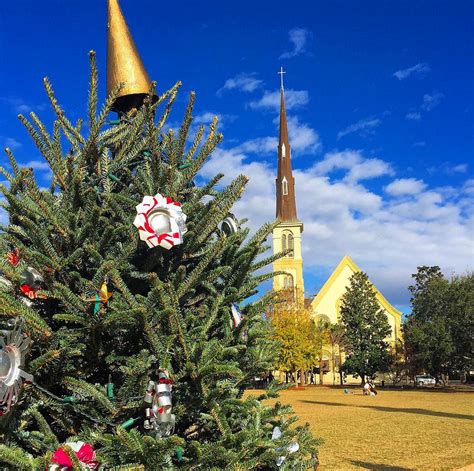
{"points": [[123, 345]]}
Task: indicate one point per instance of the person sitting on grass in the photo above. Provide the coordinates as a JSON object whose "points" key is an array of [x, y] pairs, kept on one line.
{"points": [[366, 390]]}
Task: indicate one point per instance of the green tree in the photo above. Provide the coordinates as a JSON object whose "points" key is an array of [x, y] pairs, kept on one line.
{"points": [[366, 329], [92, 356], [438, 332]]}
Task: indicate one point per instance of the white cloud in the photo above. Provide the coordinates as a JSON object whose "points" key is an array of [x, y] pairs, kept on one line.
{"points": [[431, 101], [405, 186], [19, 105], [387, 236], [207, 117], [356, 166], [36, 165], [413, 115], [246, 82], [271, 100], [299, 38], [461, 168], [10, 142], [260, 145], [303, 139], [420, 70], [364, 127]]}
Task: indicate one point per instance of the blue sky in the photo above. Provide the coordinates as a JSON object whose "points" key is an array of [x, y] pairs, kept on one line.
{"points": [[380, 107]]}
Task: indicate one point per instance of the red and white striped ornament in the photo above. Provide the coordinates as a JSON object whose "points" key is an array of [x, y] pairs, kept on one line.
{"points": [[60, 460], [160, 221]]}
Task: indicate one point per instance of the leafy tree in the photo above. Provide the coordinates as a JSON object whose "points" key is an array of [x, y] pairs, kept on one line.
{"points": [[366, 329], [299, 338], [438, 332], [93, 356]]}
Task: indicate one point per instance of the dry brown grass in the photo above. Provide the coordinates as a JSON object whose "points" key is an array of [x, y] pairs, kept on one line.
{"points": [[396, 430]]}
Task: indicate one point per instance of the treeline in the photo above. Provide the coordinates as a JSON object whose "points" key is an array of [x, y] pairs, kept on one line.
{"points": [[438, 334]]}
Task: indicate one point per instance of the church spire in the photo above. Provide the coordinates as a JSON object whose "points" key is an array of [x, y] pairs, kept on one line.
{"points": [[124, 64], [285, 182]]}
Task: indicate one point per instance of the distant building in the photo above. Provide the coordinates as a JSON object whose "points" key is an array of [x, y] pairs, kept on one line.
{"points": [[287, 235]]}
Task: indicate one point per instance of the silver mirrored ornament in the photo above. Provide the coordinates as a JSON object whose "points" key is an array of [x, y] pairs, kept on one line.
{"points": [[230, 225], [32, 277], [14, 346]]}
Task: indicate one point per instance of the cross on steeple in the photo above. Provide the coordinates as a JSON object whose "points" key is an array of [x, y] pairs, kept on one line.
{"points": [[281, 76]]}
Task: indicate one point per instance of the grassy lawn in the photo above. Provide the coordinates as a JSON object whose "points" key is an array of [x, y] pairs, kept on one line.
{"points": [[397, 429]]}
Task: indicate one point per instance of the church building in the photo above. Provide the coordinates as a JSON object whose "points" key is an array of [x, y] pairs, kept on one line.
{"points": [[287, 235]]}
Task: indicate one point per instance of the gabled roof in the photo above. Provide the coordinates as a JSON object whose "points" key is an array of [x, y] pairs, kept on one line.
{"points": [[348, 262]]}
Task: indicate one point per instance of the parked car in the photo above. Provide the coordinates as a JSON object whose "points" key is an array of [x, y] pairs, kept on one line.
{"points": [[422, 380]]}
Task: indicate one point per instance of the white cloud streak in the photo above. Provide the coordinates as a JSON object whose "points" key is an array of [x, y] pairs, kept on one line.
{"points": [[299, 38], [413, 116], [431, 101], [364, 127], [420, 70], [245, 82], [10, 142], [271, 100]]}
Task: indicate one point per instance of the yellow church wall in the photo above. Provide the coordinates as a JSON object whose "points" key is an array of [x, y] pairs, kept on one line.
{"points": [[327, 301]]}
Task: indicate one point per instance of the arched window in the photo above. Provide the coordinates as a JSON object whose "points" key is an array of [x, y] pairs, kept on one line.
{"points": [[291, 245], [284, 186], [288, 242], [288, 282]]}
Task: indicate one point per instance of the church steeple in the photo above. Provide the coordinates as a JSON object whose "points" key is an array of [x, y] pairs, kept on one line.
{"points": [[124, 64], [287, 234], [285, 182]]}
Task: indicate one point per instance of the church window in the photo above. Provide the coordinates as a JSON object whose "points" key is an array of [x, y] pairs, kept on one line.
{"points": [[284, 185], [288, 282], [291, 245], [283, 242], [283, 150]]}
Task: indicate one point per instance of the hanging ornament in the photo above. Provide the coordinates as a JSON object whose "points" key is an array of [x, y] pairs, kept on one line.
{"points": [[236, 314], [101, 298], [159, 418], [289, 449], [230, 225], [160, 221], [31, 278], [14, 257], [84, 452], [13, 348]]}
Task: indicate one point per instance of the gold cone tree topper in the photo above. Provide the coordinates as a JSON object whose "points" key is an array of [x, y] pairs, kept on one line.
{"points": [[124, 65]]}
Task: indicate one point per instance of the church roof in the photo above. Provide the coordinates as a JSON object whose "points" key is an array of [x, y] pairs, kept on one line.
{"points": [[348, 262]]}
